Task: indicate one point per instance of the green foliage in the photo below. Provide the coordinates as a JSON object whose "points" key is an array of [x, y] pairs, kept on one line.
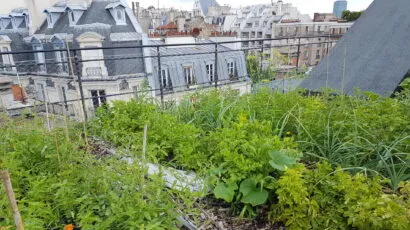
{"points": [[249, 148], [225, 191], [337, 200], [251, 194], [270, 65], [351, 15], [405, 85], [124, 122], [58, 182], [281, 161]]}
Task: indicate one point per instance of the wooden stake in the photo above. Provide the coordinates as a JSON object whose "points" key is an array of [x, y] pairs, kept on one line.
{"points": [[144, 143], [13, 203]]}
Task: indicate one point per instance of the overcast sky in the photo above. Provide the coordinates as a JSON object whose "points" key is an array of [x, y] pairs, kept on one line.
{"points": [[305, 6]]}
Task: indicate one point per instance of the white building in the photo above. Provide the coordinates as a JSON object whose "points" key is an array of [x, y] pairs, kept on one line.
{"points": [[50, 73]]}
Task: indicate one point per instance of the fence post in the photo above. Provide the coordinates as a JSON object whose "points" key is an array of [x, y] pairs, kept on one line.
{"points": [[261, 66], [216, 65], [12, 199], [297, 60], [160, 75], [80, 84], [327, 46], [283, 85]]}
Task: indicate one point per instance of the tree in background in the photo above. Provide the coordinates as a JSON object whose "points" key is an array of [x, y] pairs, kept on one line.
{"points": [[270, 66], [351, 15]]}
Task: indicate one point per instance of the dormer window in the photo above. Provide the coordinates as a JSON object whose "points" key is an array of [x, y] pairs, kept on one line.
{"points": [[120, 14], [8, 61], [117, 10], [71, 15], [74, 13], [50, 21], [93, 65], [5, 22], [39, 56], [14, 23], [53, 14]]}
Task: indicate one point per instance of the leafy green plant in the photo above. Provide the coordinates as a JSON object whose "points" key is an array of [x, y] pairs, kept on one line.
{"points": [[252, 194], [59, 182], [332, 199]]}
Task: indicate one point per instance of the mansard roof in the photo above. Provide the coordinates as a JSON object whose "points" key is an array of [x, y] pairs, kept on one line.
{"points": [[96, 18], [175, 57]]}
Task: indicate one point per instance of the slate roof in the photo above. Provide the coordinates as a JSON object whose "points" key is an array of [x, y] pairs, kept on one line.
{"points": [[17, 44], [373, 56], [95, 15], [98, 19], [174, 58]]}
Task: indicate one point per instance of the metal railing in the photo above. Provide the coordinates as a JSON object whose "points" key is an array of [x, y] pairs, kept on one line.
{"points": [[125, 59]]}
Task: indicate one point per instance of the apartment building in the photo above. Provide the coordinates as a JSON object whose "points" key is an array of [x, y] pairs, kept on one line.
{"points": [[196, 67], [81, 41], [323, 37]]}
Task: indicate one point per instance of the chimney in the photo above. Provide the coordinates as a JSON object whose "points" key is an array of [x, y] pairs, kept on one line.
{"points": [[280, 3], [137, 5]]}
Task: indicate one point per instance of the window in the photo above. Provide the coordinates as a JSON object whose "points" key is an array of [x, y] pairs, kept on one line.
{"points": [[120, 15], [7, 60], [210, 72], [40, 58], [72, 16], [165, 79], [93, 66], [61, 59], [50, 20], [189, 75], [317, 54], [41, 95], [98, 98], [231, 69], [14, 23]]}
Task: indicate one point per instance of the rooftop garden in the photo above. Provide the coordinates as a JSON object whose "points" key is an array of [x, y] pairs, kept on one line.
{"points": [[265, 160]]}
